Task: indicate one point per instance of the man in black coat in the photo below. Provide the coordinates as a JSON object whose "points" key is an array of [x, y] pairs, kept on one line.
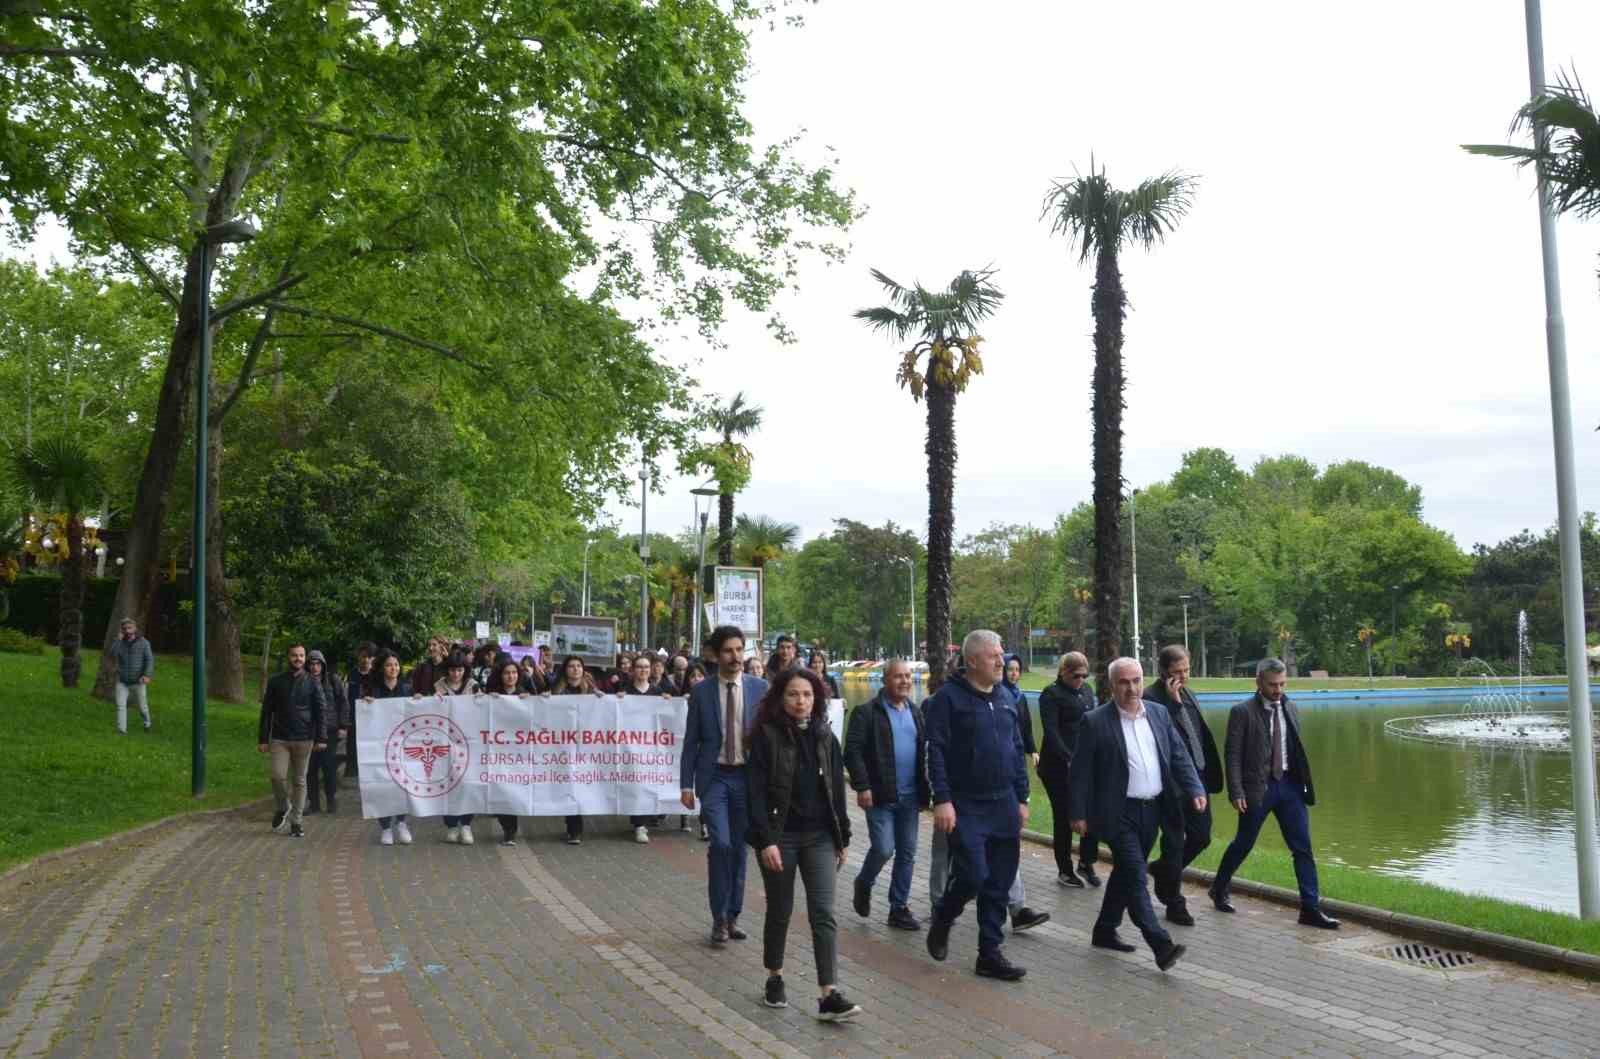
{"points": [[1131, 775], [294, 722], [1062, 707], [1180, 846], [1268, 773]]}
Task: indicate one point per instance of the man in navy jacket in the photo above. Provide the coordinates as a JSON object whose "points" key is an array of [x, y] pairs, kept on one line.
{"points": [[979, 777], [712, 768], [1130, 776]]}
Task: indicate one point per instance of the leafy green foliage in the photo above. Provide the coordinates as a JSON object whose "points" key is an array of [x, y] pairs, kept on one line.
{"points": [[1099, 218], [1566, 130], [15, 642]]}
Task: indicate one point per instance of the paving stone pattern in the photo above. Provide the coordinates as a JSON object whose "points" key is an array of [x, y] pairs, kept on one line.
{"points": [[215, 937]]}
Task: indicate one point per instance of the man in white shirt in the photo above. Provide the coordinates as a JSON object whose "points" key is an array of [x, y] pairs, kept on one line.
{"points": [[1129, 775]]}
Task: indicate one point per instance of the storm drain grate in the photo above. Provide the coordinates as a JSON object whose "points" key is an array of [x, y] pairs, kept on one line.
{"points": [[1420, 955]]}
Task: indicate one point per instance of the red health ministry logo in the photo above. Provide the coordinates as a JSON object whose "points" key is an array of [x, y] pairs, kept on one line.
{"points": [[426, 755]]}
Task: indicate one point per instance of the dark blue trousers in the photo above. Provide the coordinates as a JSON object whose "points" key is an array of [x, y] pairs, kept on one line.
{"points": [[1126, 890], [1285, 800], [725, 810], [984, 849]]}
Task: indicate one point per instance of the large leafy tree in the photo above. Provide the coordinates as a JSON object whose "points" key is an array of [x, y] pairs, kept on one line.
{"points": [[60, 474], [1004, 578], [427, 176], [1102, 221], [942, 360]]}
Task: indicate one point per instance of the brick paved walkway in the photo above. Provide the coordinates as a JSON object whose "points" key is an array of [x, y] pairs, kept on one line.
{"points": [[216, 937]]}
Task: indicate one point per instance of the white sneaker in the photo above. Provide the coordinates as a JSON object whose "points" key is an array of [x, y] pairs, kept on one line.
{"points": [[466, 834], [641, 835], [386, 837], [402, 832], [453, 835]]}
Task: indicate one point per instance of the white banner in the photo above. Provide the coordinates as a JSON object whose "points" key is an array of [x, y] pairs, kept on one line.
{"points": [[588, 755]]}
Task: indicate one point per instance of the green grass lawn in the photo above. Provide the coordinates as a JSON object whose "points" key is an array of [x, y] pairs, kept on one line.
{"points": [[73, 778]]}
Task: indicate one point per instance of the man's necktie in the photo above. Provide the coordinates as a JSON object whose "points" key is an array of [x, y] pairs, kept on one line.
{"points": [[1277, 742]]}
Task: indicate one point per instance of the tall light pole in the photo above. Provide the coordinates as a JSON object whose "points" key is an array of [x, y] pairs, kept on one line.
{"points": [[1394, 625], [699, 574], [1185, 599], [1133, 521], [911, 579], [210, 239], [1572, 618], [644, 561], [583, 604]]}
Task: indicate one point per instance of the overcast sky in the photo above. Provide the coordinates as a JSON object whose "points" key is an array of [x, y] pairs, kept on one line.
{"points": [[1349, 285]]}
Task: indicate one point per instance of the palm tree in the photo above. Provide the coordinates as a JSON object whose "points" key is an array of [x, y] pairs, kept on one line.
{"points": [[1570, 158], [945, 324], [762, 539], [1102, 221], [729, 462], [60, 474]]}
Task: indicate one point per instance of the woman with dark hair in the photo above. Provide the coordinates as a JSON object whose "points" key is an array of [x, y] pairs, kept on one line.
{"points": [[507, 681], [799, 823], [573, 679], [384, 683], [692, 676], [819, 665], [755, 667], [658, 673], [483, 664], [533, 681], [454, 679]]}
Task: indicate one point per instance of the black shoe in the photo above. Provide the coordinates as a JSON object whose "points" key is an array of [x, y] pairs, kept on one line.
{"points": [[1026, 918], [574, 840], [1087, 871], [835, 1008], [277, 821], [776, 996], [734, 933], [312, 810], [1219, 900], [1316, 917], [1179, 914], [995, 965], [1067, 878], [296, 831], [1111, 941], [719, 935], [863, 899], [1170, 955], [902, 919], [333, 806], [938, 938]]}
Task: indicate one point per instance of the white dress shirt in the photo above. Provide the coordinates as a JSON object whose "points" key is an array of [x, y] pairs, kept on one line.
{"points": [[1144, 761]]}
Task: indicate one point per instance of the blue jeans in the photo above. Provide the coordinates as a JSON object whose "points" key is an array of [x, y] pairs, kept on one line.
{"points": [[893, 831], [725, 810], [1284, 800]]}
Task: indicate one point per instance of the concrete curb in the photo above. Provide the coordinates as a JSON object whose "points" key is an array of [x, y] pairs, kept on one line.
{"points": [[43, 859], [1532, 954]]}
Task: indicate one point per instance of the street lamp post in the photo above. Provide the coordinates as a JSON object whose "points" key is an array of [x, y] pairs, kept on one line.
{"points": [[1394, 625], [1133, 532], [212, 237], [699, 573], [583, 603], [644, 561], [911, 580], [1185, 623]]}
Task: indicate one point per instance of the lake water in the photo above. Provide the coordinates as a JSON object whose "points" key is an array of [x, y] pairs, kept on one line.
{"points": [[1490, 821]]}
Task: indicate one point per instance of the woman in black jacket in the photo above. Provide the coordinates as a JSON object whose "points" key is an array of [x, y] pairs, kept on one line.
{"points": [[385, 683], [324, 777], [799, 822], [1061, 708]]}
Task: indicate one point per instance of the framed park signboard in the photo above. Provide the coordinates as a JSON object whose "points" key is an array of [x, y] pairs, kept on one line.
{"points": [[592, 639], [737, 600]]}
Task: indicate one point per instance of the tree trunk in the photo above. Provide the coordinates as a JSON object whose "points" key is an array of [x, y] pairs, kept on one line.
{"points": [[1205, 670], [224, 665], [1109, 304], [941, 449], [142, 548], [725, 529], [72, 572]]}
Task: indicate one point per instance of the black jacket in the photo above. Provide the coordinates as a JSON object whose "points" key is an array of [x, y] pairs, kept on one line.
{"points": [[1188, 711], [293, 709], [869, 753], [1019, 699], [973, 745], [1061, 710], [774, 751], [1100, 770], [1249, 748]]}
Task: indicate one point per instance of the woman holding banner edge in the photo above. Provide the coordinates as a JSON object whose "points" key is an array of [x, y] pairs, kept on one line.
{"points": [[385, 683], [573, 680]]}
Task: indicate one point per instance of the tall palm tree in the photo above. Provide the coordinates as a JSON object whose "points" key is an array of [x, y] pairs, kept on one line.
{"points": [[1103, 221], [762, 539], [945, 323], [1567, 146], [729, 461], [61, 474]]}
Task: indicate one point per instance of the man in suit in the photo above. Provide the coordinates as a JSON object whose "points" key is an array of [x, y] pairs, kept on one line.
{"points": [[1130, 775], [1180, 846], [1268, 773], [716, 747]]}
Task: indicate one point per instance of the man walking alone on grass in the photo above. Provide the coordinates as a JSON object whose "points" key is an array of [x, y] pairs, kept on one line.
{"points": [[136, 664], [293, 724]]}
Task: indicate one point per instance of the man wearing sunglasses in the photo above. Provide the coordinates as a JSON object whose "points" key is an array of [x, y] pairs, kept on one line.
{"points": [[1061, 707]]}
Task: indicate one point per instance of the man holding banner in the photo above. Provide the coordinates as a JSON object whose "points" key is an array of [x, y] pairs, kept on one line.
{"points": [[712, 767]]}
